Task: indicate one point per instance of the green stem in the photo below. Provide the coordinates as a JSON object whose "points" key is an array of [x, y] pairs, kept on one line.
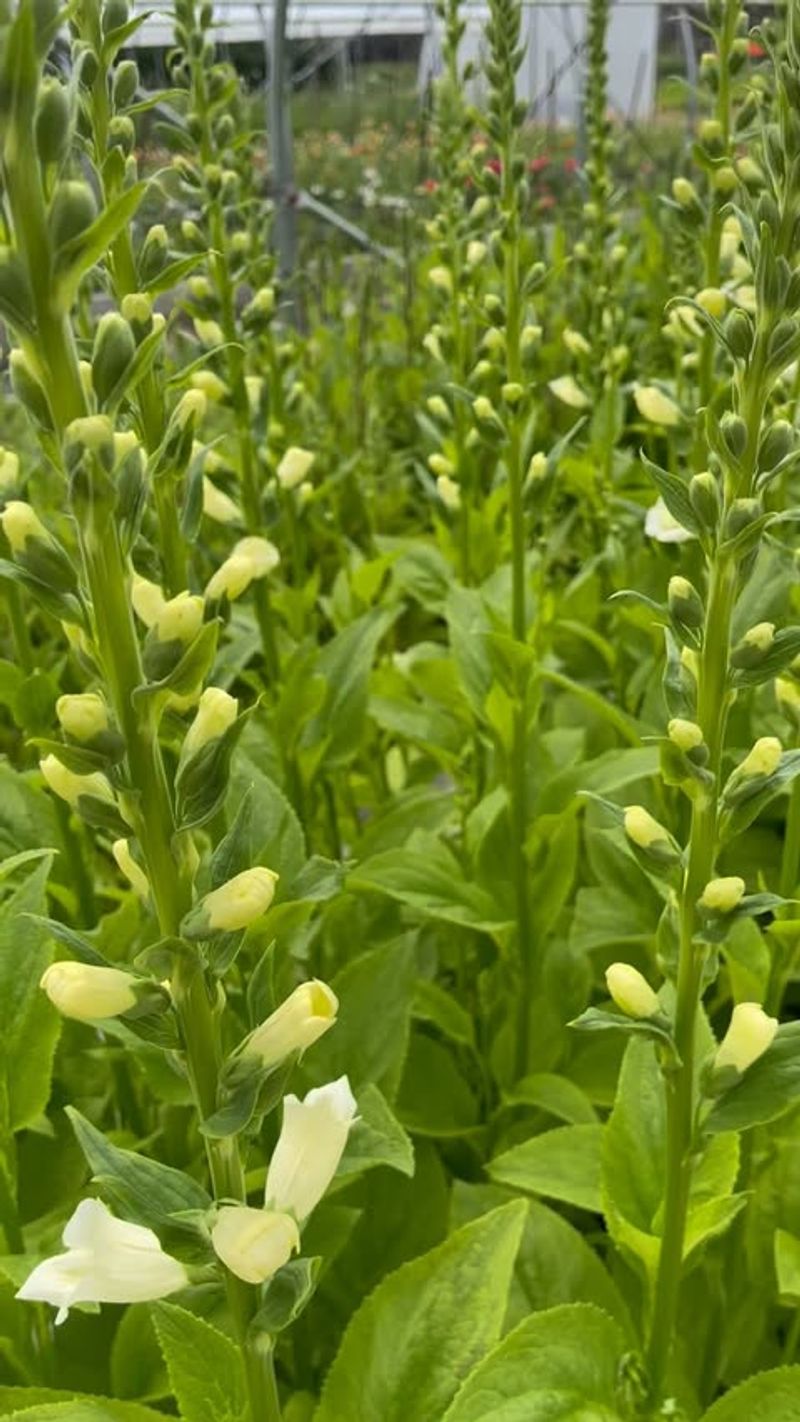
{"points": [[680, 1085]]}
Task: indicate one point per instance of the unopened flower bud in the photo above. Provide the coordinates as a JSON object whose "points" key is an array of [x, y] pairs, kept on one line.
{"points": [[655, 406], [787, 694], [21, 523], [147, 598], [724, 180], [440, 465], [218, 505], [685, 193], [73, 208], [52, 121], [685, 603], [538, 466], [294, 466], [754, 645], [252, 558], [477, 253], [576, 343], [439, 408], [232, 906], [568, 391], [441, 279], [71, 787], [762, 759], [253, 1244], [89, 993], [114, 349], [449, 492], [179, 619], [631, 991], [84, 716], [135, 875], [294, 1026], [704, 497], [216, 713], [154, 253], [9, 470], [712, 300], [686, 735], [749, 1035], [722, 895], [208, 384], [513, 393]]}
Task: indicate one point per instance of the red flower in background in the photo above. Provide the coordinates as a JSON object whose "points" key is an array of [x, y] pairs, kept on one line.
{"points": [[494, 165], [571, 165], [537, 165], [430, 185], [756, 50]]}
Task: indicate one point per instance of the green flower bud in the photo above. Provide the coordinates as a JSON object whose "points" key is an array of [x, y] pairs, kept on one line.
{"points": [[685, 603], [154, 253], [513, 393], [754, 646], [741, 514], [137, 310], [294, 466], [259, 312], [9, 471], [685, 193], [125, 83], [739, 331], [115, 13], [724, 180], [122, 133], [28, 390], [776, 443], [439, 408], [73, 208], [192, 236], [712, 300], [763, 759], [114, 349], [704, 496], [52, 121]]}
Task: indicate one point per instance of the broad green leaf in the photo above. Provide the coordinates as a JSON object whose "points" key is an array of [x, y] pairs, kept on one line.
{"points": [[558, 1366], [377, 1138], [563, 1164], [278, 839], [77, 1408], [205, 1368], [634, 1164], [556, 1095], [765, 1397], [555, 1265], [29, 1026], [425, 1327], [435, 1098], [768, 1088], [433, 1004], [428, 878], [371, 1037], [143, 1190], [345, 662]]}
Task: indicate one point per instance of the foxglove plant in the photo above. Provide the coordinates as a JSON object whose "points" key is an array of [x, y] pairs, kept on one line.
{"points": [[713, 661], [110, 765]]}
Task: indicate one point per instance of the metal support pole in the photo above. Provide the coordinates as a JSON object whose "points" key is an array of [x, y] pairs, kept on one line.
{"points": [[280, 132]]}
